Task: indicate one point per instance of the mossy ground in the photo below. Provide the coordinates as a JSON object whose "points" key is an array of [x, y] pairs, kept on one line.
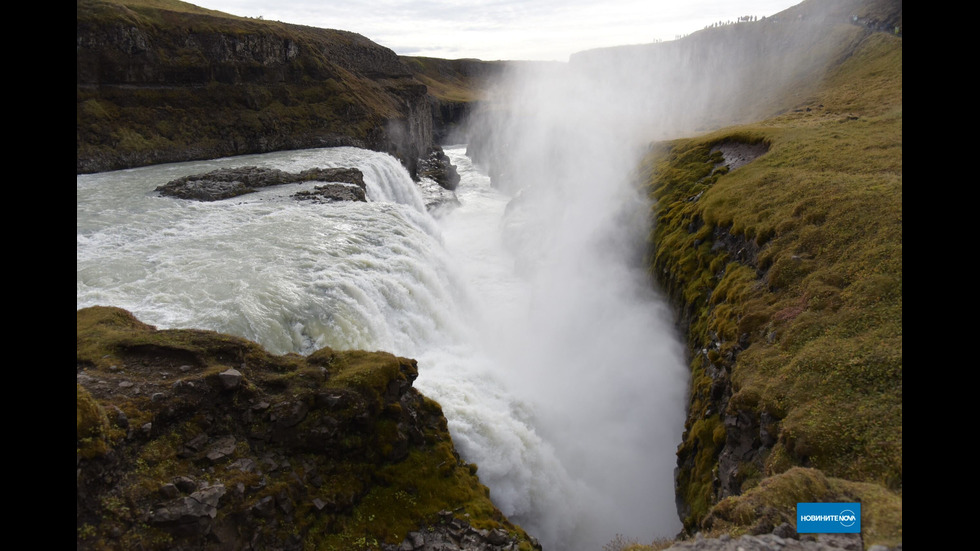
{"points": [[335, 473], [773, 502], [807, 322]]}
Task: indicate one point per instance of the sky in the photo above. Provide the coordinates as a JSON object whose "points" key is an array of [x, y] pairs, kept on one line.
{"points": [[544, 30]]}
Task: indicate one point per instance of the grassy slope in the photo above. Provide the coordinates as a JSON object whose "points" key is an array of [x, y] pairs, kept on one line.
{"points": [[172, 6], [447, 80], [812, 333]]}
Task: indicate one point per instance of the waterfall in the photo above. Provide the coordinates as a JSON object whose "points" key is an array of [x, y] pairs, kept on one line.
{"points": [[568, 397]]}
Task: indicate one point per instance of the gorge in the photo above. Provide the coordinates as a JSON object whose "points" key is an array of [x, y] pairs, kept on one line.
{"points": [[383, 275], [571, 385]]}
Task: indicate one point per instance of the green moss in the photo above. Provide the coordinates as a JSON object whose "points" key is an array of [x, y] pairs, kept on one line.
{"points": [[810, 328], [342, 475], [773, 502], [696, 482], [91, 425]]}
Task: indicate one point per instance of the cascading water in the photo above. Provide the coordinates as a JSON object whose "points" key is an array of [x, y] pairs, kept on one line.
{"points": [[561, 379]]}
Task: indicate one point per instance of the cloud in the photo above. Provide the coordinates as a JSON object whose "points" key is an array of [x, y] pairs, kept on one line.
{"points": [[504, 29]]}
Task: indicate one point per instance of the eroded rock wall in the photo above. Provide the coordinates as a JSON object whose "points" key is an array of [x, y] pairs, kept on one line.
{"points": [[162, 86]]}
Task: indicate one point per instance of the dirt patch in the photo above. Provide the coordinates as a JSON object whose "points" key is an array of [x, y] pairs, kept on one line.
{"points": [[737, 154]]}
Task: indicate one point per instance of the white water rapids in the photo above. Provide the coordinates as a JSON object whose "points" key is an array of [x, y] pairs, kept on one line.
{"points": [[558, 370]]}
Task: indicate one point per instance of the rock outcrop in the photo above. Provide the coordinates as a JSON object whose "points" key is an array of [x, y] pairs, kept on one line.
{"points": [[456, 88], [231, 182], [437, 167], [453, 533], [783, 538], [192, 439]]}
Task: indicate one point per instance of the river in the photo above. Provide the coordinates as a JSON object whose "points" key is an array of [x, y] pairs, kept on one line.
{"points": [[553, 356]]}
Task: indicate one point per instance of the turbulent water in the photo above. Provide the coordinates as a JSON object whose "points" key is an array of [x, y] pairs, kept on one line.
{"points": [[557, 368]]}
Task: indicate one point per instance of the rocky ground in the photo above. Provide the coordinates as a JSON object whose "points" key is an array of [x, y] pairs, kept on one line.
{"points": [[783, 538], [737, 154]]}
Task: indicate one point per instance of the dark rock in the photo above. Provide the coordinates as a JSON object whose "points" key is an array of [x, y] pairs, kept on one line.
{"points": [[331, 193], [498, 537], [225, 183], [221, 448], [118, 417], [169, 490], [185, 484], [737, 154], [436, 165], [230, 378], [244, 464], [786, 531], [189, 515], [265, 507], [284, 502], [289, 413], [456, 534], [197, 443]]}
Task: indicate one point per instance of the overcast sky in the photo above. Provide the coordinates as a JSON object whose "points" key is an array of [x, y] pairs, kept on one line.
{"points": [[503, 29]]}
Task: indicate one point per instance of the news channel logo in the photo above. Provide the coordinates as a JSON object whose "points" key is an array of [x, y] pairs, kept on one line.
{"points": [[828, 518]]}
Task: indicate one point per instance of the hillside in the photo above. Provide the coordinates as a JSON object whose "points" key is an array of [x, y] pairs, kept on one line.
{"points": [[161, 81], [788, 273]]}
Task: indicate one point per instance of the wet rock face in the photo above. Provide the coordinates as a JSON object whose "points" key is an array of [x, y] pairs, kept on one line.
{"points": [[437, 167], [231, 182]]}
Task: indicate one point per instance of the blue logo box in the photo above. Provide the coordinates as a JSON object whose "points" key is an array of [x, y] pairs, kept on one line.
{"points": [[828, 518]]}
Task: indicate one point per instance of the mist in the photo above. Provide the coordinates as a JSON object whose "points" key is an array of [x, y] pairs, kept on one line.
{"points": [[594, 346]]}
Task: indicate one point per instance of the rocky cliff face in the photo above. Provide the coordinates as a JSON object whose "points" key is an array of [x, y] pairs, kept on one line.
{"points": [[197, 440], [456, 88], [161, 85], [777, 351]]}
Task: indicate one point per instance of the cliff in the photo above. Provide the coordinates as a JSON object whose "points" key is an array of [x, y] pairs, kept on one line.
{"points": [[197, 440], [457, 87], [777, 235], [780, 243], [164, 81]]}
